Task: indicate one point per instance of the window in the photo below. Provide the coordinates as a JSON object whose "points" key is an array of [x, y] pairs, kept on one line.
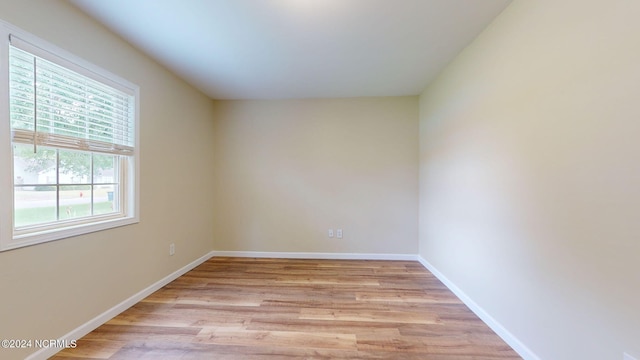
{"points": [[68, 145]]}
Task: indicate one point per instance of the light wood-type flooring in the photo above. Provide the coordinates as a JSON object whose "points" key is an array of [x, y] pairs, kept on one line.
{"points": [[245, 308]]}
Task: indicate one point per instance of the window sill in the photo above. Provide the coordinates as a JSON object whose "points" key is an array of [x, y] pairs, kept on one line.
{"points": [[38, 237]]}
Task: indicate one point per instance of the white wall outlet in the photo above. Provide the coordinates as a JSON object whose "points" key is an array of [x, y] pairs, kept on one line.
{"points": [[172, 249], [330, 233], [339, 233], [627, 357]]}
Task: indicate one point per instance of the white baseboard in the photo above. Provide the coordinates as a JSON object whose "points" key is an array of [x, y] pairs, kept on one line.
{"points": [[313, 255], [94, 323], [507, 336]]}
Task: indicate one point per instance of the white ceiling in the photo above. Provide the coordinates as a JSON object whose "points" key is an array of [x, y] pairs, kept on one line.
{"points": [[266, 49]]}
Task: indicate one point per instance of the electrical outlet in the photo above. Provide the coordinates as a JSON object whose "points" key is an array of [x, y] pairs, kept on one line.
{"points": [[339, 233], [172, 249], [627, 357], [330, 233]]}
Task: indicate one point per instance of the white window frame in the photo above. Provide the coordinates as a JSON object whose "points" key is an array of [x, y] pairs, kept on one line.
{"points": [[130, 198]]}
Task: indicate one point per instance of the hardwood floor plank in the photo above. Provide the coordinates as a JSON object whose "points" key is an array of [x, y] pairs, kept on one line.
{"points": [[334, 326], [244, 308], [408, 296], [199, 351], [284, 339], [136, 332], [368, 316]]}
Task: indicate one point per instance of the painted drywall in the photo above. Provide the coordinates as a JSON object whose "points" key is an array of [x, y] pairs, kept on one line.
{"points": [[530, 175], [289, 170], [50, 289]]}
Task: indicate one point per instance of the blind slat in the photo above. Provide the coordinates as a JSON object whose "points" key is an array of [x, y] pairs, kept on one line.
{"points": [[30, 48], [69, 142], [71, 110]]}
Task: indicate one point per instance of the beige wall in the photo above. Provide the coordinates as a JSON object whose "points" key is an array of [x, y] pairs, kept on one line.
{"points": [[288, 170], [49, 289], [530, 175]]}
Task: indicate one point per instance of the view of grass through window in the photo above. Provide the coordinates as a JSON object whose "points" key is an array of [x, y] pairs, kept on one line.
{"points": [[54, 185]]}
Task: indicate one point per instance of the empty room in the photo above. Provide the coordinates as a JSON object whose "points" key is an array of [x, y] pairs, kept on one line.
{"points": [[319, 179]]}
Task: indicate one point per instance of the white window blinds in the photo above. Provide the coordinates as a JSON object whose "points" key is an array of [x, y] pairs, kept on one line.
{"points": [[53, 105]]}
